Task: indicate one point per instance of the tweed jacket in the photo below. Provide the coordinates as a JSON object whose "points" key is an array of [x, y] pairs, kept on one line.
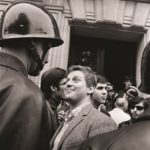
{"points": [[24, 122], [135, 136], [88, 123], [132, 137]]}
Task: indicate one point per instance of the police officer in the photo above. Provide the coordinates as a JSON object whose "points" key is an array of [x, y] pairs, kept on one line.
{"points": [[28, 31]]}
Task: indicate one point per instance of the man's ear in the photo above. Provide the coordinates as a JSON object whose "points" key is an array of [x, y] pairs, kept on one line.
{"points": [[53, 88], [91, 90]]}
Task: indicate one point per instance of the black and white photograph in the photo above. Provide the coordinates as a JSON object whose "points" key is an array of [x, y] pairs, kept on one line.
{"points": [[74, 74]]}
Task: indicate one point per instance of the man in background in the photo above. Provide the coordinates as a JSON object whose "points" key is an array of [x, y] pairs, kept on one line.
{"points": [[52, 86], [111, 97], [100, 94]]}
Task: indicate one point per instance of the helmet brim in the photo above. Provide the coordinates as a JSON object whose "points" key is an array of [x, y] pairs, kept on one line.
{"points": [[54, 42]]}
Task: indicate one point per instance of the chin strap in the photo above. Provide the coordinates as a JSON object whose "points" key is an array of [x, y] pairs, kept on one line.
{"points": [[33, 52]]}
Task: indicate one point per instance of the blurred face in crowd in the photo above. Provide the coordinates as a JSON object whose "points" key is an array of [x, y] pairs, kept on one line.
{"points": [[100, 93], [76, 89], [60, 90], [127, 84], [110, 91], [137, 110]]}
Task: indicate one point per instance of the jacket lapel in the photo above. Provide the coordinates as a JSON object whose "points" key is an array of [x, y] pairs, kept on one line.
{"points": [[75, 121]]}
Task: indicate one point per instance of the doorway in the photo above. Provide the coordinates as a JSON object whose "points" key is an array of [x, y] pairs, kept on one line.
{"points": [[112, 58]]}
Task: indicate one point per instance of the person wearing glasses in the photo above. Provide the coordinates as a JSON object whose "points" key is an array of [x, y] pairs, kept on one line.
{"points": [[134, 136], [135, 108], [52, 85]]}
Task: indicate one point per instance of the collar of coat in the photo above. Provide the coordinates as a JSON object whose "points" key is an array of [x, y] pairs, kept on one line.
{"points": [[12, 62]]}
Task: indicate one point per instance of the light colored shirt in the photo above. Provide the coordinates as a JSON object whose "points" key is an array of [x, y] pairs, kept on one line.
{"points": [[69, 115], [119, 116]]}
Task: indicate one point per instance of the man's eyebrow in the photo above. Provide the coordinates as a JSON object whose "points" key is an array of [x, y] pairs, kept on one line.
{"points": [[76, 76], [73, 77], [100, 87]]}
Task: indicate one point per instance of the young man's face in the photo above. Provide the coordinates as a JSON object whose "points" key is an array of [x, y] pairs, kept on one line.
{"points": [[110, 91], [127, 84], [76, 89], [100, 93], [137, 110]]}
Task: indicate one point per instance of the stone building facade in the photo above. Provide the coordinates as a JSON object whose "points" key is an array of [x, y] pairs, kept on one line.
{"points": [[127, 21]]}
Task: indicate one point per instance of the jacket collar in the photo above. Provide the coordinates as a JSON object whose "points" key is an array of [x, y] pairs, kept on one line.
{"points": [[75, 121], [12, 62]]}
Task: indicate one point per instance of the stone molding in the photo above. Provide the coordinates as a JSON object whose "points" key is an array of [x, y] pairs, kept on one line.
{"points": [[127, 15]]}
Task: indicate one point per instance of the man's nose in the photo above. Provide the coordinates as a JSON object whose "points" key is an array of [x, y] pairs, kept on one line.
{"points": [[135, 109], [104, 91], [68, 83]]}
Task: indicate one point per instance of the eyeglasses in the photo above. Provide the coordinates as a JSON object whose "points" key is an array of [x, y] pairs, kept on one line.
{"points": [[137, 107]]}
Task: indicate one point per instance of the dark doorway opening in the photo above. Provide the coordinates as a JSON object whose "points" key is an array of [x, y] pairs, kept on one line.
{"points": [[112, 58]]}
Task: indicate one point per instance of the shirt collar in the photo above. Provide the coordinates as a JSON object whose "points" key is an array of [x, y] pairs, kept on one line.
{"points": [[76, 110], [12, 62]]}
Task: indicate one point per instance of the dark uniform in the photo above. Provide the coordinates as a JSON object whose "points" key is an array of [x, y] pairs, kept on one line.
{"points": [[25, 120], [24, 124]]}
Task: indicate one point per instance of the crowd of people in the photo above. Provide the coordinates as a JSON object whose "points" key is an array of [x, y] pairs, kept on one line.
{"points": [[72, 109], [86, 105]]}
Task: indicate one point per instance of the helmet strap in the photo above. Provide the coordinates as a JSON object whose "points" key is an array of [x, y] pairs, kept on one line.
{"points": [[33, 52]]}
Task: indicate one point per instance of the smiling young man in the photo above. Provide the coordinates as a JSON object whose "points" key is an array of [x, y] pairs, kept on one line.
{"points": [[83, 120]]}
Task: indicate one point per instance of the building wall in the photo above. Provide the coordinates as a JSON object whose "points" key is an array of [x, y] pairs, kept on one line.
{"points": [[122, 16]]}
